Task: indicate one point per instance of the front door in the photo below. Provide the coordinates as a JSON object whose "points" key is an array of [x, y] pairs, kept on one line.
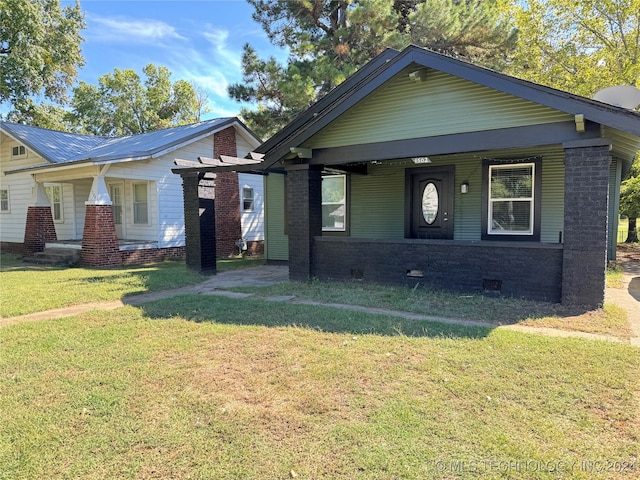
{"points": [[431, 203], [115, 192]]}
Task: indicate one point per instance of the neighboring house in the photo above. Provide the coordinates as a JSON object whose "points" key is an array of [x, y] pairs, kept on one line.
{"points": [[116, 196], [421, 168]]}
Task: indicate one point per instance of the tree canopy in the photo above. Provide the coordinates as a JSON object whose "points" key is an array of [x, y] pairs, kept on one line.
{"points": [[577, 45], [328, 40], [39, 51], [124, 104]]}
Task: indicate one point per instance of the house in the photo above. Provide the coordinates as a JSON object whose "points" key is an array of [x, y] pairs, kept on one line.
{"points": [[422, 168], [115, 197]]}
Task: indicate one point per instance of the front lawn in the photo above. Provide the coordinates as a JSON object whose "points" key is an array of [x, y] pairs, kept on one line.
{"points": [[33, 288], [206, 387]]}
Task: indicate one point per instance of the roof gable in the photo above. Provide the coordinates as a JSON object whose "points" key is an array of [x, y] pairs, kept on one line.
{"points": [[441, 104], [347, 95]]}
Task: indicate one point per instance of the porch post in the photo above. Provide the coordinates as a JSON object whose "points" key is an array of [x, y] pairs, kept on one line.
{"points": [[586, 198], [99, 238], [39, 228], [199, 222], [304, 200]]}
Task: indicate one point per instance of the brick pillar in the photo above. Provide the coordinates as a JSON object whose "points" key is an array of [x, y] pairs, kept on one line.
{"points": [[304, 201], [99, 239], [228, 227], [586, 195], [199, 223], [39, 228]]}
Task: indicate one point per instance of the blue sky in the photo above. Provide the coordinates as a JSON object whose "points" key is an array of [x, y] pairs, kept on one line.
{"points": [[199, 41]]}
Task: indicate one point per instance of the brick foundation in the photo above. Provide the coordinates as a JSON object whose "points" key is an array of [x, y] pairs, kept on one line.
{"points": [[532, 271], [14, 248], [151, 255], [39, 229], [99, 240]]}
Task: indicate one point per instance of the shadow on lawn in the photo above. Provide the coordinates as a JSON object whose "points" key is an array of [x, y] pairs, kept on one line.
{"points": [[255, 312]]}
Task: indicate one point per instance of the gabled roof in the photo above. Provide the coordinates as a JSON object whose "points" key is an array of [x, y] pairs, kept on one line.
{"points": [[61, 147], [384, 67]]}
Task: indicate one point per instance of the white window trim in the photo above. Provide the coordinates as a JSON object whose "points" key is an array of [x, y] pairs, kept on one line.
{"points": [[134, 203], [252, 198], [530, 199], [8, 209], [344, 203], [48, 186], [19, 155]]}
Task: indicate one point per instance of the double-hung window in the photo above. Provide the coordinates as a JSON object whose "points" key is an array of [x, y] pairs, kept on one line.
{"points": [[247, 199], [140, 203], [334, 203], [512, 205], [4, 200], [54, 192]]}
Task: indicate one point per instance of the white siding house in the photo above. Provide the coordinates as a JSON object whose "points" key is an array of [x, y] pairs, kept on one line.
{"points": [[130, 174]]}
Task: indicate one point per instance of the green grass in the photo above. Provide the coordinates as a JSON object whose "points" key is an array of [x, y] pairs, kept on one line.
{"points": [[206, 387], [27, 288], [492, 310]]}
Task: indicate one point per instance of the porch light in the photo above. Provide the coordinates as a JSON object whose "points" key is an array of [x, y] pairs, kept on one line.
{"points": [[464, 187]]}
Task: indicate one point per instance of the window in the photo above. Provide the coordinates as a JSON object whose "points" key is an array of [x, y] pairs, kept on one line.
{"points": [[4, 200], [512, 207], [140, 203], [334, 203], [54, 192], [247, 199], [18, 151]]}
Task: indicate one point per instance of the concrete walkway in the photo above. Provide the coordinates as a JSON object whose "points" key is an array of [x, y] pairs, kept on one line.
{"points": [[627, 297]]}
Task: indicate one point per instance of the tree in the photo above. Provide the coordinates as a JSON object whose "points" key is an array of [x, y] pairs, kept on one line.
{"points": [[328, 40], [630, 200], [122, 104], [578, 45], [39, 51]]}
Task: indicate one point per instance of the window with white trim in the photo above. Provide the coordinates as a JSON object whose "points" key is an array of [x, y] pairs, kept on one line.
{"points": [[140, 203], [247, 199], [334, 203], [19, 151], [54, 192], [511, 199], [4, 200]]}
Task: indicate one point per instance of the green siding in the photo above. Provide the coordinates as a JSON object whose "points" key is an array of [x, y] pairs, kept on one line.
{"points": [[377, 199], [442, 104], [276, 242]]}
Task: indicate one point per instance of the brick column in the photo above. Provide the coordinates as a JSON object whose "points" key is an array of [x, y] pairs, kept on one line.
{"points": [[39, 228], [199, 223], [586, 195], [227, 212], [100, 246], [304, 200]]}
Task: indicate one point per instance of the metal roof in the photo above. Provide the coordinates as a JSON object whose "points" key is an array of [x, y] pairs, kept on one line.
{"points": [[61, 147]]}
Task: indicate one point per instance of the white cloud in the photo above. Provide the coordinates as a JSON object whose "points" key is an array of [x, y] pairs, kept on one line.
{"points": [[218, 39], [123, 30]]}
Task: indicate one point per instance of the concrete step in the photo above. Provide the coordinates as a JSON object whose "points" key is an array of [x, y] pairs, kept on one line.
{"points": [[55, 256]]}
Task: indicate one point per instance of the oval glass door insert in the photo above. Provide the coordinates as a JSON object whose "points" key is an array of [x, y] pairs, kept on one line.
{"points": [[430, 203]]}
